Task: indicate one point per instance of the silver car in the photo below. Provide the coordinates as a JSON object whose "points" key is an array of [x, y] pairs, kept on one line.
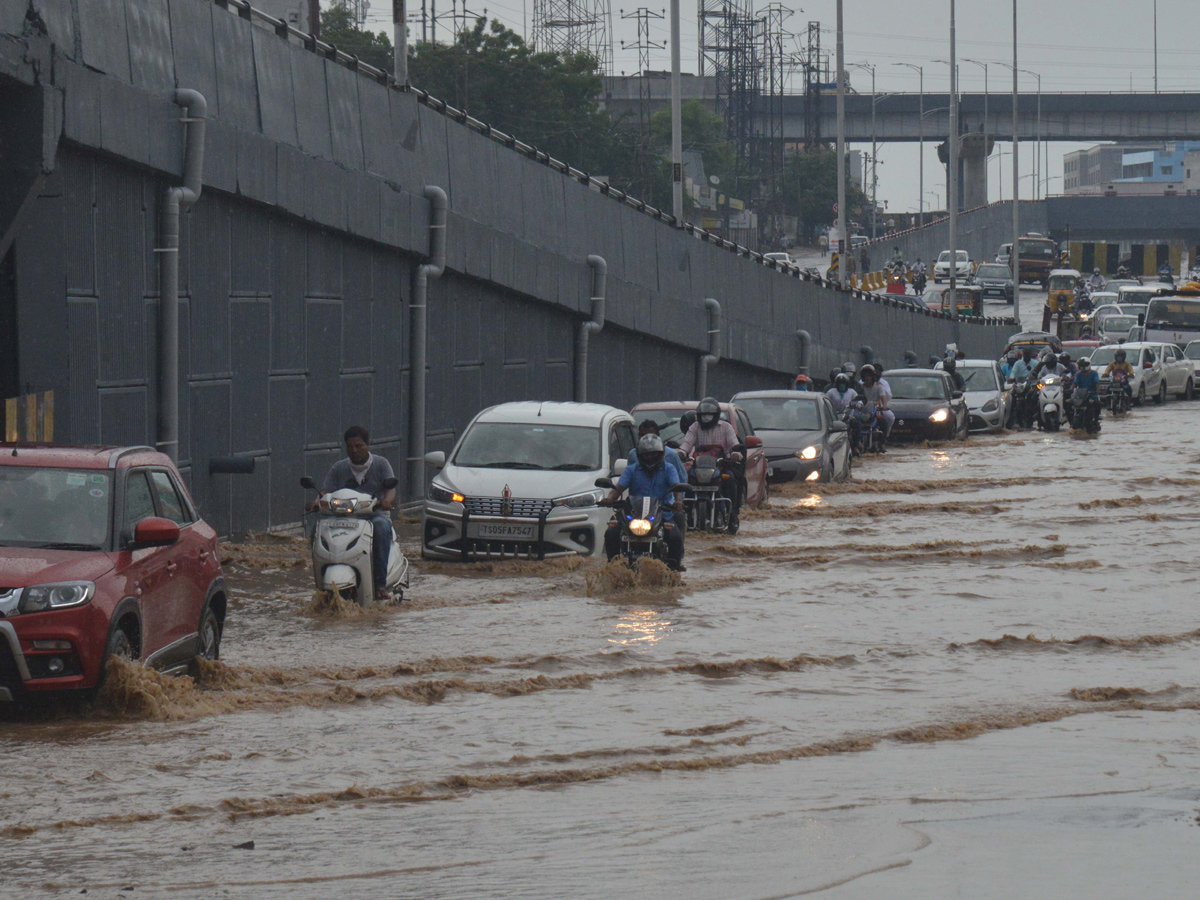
{"points": [[989, 401], [521, 481]]}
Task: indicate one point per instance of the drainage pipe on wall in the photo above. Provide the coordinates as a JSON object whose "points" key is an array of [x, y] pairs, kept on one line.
{"points": [[805, 348], [868, 354], [592, 326], [177, 198], [428, 271], [714, 347]]}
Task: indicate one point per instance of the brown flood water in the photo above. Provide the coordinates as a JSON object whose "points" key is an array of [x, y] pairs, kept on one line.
{"points": [[972, 672]]}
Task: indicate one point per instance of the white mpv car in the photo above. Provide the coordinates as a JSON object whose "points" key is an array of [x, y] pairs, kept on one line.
{"points": [[521, 481]]}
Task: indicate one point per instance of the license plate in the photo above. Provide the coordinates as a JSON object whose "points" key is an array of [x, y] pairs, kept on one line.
{"points": [[502, 531]]}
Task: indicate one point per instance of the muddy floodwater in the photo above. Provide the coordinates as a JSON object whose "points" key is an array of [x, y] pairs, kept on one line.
{"points": [[973, 672]]}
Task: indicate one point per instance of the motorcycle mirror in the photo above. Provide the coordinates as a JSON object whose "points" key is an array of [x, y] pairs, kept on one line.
{"points": [[679, 488], [389, 483], [1148, 365], [956, 395], [307, 482], [604, 483]]}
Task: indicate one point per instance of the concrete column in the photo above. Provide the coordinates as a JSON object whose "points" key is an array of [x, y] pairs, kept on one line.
{"points": [[973, 152]]}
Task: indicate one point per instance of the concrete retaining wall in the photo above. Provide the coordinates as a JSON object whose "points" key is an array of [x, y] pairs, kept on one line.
{"points": [[980, 232]]}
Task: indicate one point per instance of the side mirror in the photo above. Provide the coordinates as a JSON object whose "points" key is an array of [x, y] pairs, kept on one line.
{"points": [[436, 458], [680, 488], [307, 482], [838, 426], [956, 395], [155, 532], [605, 483], [620, 466], [1148, 365], [753, 442], [389, 484]]}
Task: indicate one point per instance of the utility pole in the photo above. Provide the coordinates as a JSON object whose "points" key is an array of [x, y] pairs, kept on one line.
{"points": [[400, 41], [920, 137], [676, 122], [843, 243], [953, 189], [1014, 257], [985, 92], [1156, 46], [314, 17]]}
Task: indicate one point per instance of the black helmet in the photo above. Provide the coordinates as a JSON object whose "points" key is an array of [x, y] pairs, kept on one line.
{"points": [[842, 382], [650, 452], [1065, 359], [686, 421], [1119, 356], [868, 371], [708, 413]]}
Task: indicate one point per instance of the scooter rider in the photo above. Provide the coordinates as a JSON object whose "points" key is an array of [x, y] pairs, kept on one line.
{"points": [[1119, 364], [842, 394], [1096, 282], [649, 476], [1048, 365], [365, 472], [710, 431], [877, 396]]}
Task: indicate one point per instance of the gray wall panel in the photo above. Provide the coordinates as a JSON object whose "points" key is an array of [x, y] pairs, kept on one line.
{"points": [[345, 118], [287, 411], [257, 177], [324, 345], [276, 98], [312, 114], [236, 85], [379, 149], [123, 415], [250, 328], [83, 319], [210, 403], [104, 36], [151, 58], [195, 55]]}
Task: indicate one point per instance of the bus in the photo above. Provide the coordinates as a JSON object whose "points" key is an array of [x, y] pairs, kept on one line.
{"points": [[1039, 254], [1173, 320]]}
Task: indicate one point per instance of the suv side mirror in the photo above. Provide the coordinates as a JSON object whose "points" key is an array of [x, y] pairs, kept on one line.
{"points": [[307, 482], [153, 531], [604, 483], [956, 395], [838, 426], [436, 458]]}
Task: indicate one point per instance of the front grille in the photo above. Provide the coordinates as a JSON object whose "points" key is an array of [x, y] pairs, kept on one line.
{"points": [[519, 509]]}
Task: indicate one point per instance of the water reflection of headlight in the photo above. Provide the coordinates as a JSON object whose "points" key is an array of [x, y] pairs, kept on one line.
{"points": [[639, 527]]}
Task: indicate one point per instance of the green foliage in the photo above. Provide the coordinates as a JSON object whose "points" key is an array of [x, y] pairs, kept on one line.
{"points": [[338, 28], [703, 131], [810, 188]]}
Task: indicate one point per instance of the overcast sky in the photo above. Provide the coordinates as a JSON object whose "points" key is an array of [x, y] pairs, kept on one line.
{"points": [[1075, 45]]}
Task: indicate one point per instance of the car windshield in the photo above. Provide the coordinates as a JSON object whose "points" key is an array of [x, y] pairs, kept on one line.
{"points": [[979, 378], [522, 445], [1037, 249], [777, 414], [944, 256], [916, 387], [992, 272], [54, 508], [1118, 324], [1192, 350], [1062, 282], [1133, 309]]}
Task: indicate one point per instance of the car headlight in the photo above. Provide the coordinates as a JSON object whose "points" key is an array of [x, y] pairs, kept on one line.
{"points": [[940, 416], [42, 597], [442, 495], [580, 501], [991, 406], [640, 527], [808, 453]]}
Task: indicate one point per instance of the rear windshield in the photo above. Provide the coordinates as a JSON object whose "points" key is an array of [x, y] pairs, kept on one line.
{"points": [[776, 414], [979, 378], [667, 421], [512, 445], [992, 272], [1062, 282], [1037, 249], [917, 387], [1118, 324], [54, 508]]}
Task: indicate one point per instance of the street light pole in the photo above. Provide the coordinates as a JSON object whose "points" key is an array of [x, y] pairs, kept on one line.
{"points": [[843, 243], [869, 67], [1037, 135], [921, 138], [400, 41], [984, 66], [676, 122], [953, 190]]}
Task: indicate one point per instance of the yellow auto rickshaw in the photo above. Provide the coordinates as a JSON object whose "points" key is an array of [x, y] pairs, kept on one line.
{"points": [[1062, 290]]}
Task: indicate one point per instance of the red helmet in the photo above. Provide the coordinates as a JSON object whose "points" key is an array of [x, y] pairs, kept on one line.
{"points": [[803, 383]]}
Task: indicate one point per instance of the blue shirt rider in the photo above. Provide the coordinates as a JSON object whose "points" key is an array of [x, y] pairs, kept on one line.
{"points": [[670, 454], [650, 476], [1024, 366], [1087, 377]]}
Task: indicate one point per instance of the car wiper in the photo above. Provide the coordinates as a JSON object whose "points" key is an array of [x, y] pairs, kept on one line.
{"points": [[572, 467], [66, 545], [510, 465]]}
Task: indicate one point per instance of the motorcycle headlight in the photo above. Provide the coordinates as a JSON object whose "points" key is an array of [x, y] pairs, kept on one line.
{"points": [[442, 495], [580, 501], [991, 406], [342, 507], [940, 416], [42, 597], [808, 453], [640, 527]]}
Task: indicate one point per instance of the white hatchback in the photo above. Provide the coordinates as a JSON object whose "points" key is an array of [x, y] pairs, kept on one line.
{"points": [[521, 482]]}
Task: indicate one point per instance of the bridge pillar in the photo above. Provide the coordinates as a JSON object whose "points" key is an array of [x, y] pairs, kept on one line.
{"points": [[973, 153]]}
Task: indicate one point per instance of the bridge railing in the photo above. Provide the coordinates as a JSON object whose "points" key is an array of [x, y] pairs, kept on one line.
{"points": [[245, 10]]}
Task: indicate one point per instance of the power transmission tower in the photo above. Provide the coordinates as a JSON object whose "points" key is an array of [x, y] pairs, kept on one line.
{"points": [[643, 46], [775, 64], [812, 86], [568, 27], [358, 10]]}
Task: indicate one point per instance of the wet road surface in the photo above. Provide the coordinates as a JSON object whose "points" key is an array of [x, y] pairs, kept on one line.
{"points": [[972, 672]]}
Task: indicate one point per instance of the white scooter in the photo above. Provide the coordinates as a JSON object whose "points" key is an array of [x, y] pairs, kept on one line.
{"points": [[1050, 402], [341, 546]]}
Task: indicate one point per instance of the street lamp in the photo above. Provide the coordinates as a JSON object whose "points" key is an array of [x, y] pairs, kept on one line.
{"points": [[871, 68], [985, 92], [1037, 135], [937, 197], [1000, 154], [920, 136]]}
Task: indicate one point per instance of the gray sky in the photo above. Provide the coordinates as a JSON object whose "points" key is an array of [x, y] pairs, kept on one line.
{"points": [[1075, 45]]}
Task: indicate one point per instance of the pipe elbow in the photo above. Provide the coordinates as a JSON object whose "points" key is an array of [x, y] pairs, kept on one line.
{"points": [[197, 106], [598, 263], [436, 196]]}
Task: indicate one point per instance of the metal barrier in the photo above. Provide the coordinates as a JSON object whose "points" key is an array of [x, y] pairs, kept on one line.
{"points": [[29, 418]]}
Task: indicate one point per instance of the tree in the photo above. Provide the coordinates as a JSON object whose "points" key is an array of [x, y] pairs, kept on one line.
{"points": [[339, 29], [810, 188]]}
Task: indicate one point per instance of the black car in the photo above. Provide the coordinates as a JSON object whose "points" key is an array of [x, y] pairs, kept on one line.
{"points": [[927, 406], [994, 280], [802, 436]]}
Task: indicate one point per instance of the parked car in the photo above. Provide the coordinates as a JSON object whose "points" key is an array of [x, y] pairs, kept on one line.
{"points": [[521, 481], [102, 554], [941, 268], [1192, 351], [994, 280], [1114, 328], [782, 260], [668, 413], [927, 405], [1179, 372], [1147, 371], [1004, 255], [802, 436], [989, 400]]}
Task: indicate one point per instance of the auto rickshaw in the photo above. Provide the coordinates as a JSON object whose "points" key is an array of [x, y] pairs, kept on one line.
{"points": [[969, 299], [1062, 290]]}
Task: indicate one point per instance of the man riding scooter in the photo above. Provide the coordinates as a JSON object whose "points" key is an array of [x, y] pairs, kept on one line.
{"points": [[650, 476], [365, 472], [710, 434]]}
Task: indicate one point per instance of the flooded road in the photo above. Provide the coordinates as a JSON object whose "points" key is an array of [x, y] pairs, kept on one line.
{"points": [[972, 671]]}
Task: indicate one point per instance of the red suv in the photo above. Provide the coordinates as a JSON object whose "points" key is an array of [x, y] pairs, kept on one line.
{"points": [[101, 552]]}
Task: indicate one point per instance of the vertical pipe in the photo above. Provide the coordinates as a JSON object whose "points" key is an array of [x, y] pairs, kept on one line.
{"points": [[400, 40], [1014, 258], [921, 136], [843, 241], [805, 349], [874, 164], [953, 189], [714, 347], [426, 272], [176, 199], [314, 17], [593, 326], [676, 121]]}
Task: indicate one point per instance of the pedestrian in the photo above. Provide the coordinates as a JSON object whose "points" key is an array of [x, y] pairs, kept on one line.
{"points": [[865, 259], [823, 243]]}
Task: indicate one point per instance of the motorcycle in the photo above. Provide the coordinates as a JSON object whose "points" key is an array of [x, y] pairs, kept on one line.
{"points": [[341, 546], [1050, 402], [1120, 398], [1087, 410], [865, 427], [1024, 403], [1166, 275], [919, 281], [705, 507], [642, 526]]}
